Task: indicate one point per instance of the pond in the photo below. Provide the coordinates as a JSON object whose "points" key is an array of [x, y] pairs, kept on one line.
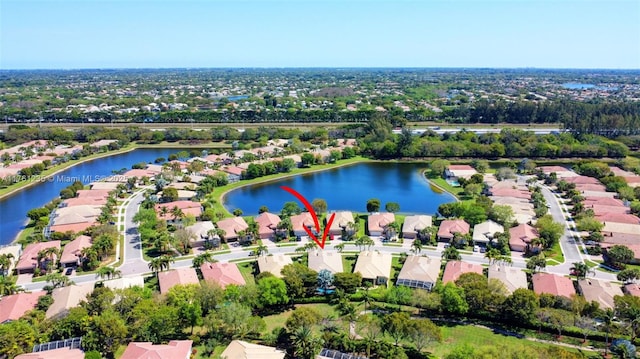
{"points": [[347, 188], [14, 208]]}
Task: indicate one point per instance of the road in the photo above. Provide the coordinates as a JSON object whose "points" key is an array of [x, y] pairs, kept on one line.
{"points": [[134, 264]]}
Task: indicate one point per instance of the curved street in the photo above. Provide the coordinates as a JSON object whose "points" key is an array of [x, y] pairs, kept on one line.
{"points": [[133, 263]]}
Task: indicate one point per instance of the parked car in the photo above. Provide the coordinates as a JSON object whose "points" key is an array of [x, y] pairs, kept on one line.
{"points": [[68, 271]]}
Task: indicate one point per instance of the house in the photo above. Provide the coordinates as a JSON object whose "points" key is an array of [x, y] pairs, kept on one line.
{"points": [[222, 274], [340, 222], [454, 269], [239, 349], [377, 223], [453, 172], [510, 192], [181, 276], [14, 306], [374, 266], [273, 264], [232, 227], [187, 207], [632, 289], [414, 224], [419, 272], [582, 180], [324, 259], [13, 250], [552, 284], [29, 258], [483, 232], [300, 221], [618, 218], [601, 292], [66, 298], [520, 237], [72, 252], [449, 227], [109, 186], [267, 224], [560, 171], [634, 247], [605, 201], [175, 349], [611, 227], [599, 209], [124, 282], [59, 353], [512, 278], [201, 231]]}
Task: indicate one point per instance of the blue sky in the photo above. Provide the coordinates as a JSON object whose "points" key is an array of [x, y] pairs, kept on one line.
{"points": [[330, 33]]}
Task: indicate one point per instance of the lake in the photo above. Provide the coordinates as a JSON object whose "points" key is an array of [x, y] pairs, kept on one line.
{"points": [[577, 86], [347, 188], [13, 209]]}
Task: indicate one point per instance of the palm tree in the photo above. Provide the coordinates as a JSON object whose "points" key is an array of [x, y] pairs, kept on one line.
{"points": [[310, 246], [492, 255], [8, 286], [162, 241], [305, 344], [261, 250], [351, 229], [177, 213], [108, 272], [416, 246], [607, 317], [5, 263], [156, 265], [451, 254], [165, 262], [339, 247], [206, 257], [580, 270]]}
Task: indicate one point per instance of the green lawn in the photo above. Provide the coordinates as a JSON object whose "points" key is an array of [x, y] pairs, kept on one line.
{"points": [[555, 253], [247, 272], [278, 320], [349, 262], [456, 335]]}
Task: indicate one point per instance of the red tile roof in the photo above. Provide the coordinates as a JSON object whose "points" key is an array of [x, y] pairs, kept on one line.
{"points": [[231, 226], [175, 277], [618, 218], [222, 273], [449, 227], [454, 269], [72, 250], [267, 223], [61, 353], [632, 289], [298, 222], [582, 180], [379, 221], [553, 284], [14, 306], [28, 259]]}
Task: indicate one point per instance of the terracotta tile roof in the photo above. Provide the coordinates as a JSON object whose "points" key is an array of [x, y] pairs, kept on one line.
{"points": [[60, 353], [605, 201], [553, 284], [450, 226], [461, 168], [632, 289], [267, 223], [222, 273], [414, 224], [522, 233], [14, 306], [599, 209], [28, 259], [298, 222], [378, 222], [187, 207], [231, 226], [510, 192], [71, 250], [618, 218], [72, 227], [454, 269], [175, 277], [582, 180], [175, 349]]}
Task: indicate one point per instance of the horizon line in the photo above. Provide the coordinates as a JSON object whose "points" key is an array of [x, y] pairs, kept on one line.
{"points": [[322, 68]]}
